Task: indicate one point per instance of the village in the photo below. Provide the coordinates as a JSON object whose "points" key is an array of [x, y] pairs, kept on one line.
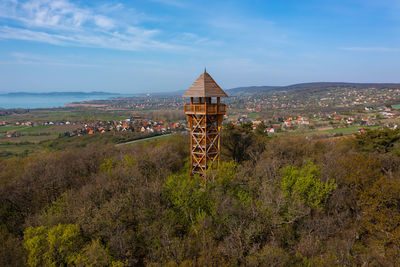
{"points": [[384, 116], [326, 112], [333, 98], [79, 128], [269, 100]]}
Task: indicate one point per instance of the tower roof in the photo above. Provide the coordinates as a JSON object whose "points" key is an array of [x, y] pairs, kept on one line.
{"points": [[205, 86]]}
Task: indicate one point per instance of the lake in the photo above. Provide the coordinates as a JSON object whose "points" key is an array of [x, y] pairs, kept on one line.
{"points": [[47, 101]]}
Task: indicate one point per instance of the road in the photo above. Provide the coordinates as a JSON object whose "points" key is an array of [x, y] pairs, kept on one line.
{"points": [[143, 139]]}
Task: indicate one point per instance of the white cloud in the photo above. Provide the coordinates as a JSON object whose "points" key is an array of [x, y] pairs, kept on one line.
{"points": [[60, 22], [104, 22], [133, 41], [52, 14], [28, 35]]}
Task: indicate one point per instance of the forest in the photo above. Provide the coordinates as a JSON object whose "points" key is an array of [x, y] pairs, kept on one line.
{"points": [[274, 201]]}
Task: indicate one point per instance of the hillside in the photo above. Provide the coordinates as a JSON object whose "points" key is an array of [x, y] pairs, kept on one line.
{"points": [[310, 87]]}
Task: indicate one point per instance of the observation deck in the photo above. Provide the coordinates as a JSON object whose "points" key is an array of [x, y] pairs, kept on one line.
{"points": [[205, 109]]}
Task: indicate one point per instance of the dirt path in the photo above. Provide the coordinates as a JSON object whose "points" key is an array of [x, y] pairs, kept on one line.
{"points": [[143, 139]]}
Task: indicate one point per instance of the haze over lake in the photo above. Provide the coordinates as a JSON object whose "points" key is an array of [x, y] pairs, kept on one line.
{"points": [[49, 100]]}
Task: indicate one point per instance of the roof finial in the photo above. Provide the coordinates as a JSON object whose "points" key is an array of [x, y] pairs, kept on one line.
{"points": [[205, 70]]}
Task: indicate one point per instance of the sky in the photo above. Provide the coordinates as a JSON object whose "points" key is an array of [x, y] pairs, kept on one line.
{"points": [[141, 46]]}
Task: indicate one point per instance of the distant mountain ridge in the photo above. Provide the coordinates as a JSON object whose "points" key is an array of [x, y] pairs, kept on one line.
{"points": [[244, 90], [307, 87], [18, 94], [313, 86]]}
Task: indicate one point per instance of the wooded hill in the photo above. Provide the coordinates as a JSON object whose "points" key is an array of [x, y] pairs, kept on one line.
{"points": [[281, 201]]}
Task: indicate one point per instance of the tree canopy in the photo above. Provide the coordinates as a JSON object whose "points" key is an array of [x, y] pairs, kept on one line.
{"points": [[280, 201]]}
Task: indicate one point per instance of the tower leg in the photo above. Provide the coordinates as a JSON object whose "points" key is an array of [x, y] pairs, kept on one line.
{"points": [[205, 142]]}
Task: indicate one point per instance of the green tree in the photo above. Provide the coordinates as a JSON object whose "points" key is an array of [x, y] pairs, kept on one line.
{"points": [[304, 183], [261, 129], [53, 246], [236, 141], [377, 140], [93, 254], [187, 199]]}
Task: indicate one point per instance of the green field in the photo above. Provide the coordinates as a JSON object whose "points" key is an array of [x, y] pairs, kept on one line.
{"points": [[348, 130], [396, 106], [18, 149], [67, 115], [23, 129], [38, 138], [32, 139], [147, 140], [253, 115], [344, 131]]}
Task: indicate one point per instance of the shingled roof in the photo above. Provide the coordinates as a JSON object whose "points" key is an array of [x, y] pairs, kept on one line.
{"points": [[205, 86]]}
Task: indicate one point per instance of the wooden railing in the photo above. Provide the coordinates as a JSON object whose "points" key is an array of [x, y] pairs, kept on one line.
{"points": [[205, 108]]}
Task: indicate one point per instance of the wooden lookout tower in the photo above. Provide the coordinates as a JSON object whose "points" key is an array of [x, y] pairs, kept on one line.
{"points": [[205, 119]]}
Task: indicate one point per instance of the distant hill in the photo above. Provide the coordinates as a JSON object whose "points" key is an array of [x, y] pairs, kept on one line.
{"points": [[19, 94], [315, 86]]}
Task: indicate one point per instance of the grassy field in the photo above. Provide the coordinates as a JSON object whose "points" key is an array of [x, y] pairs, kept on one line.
{"points": [[253, 115], [37, 138], [147, 140], [396, 106], [32, 139], [22, 129], [18, 149], [348, 130], [344, 131], [43, 115]]}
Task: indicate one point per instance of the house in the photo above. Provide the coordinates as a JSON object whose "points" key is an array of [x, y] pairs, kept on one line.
{"points": [[288, 123], [12, 134], [270, 131], [350, 120], [387, 114], [303, 121]]}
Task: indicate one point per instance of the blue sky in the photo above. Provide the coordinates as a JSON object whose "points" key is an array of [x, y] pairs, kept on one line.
{"points": [[163, 45]]}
